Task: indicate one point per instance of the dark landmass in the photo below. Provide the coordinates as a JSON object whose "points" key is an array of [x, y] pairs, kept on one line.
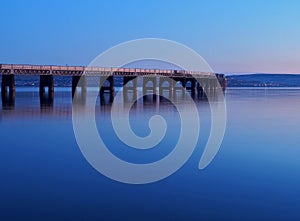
{"points": [[263, 80]]}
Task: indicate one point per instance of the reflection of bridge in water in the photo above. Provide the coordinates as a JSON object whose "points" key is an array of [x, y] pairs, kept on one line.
{"points": [[103, 106], [153, 81]]}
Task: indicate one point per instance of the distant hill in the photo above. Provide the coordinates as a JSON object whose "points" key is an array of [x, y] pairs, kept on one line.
{"points": [[263, 80]]}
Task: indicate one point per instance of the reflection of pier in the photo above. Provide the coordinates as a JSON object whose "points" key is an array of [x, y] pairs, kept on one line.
{"points": [[64, 110], [166, 80]]}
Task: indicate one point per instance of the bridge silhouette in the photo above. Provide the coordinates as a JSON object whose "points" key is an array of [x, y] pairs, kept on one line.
{"points": [[194, 81]]}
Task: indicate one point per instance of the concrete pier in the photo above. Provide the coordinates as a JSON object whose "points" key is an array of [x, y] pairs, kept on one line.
{"points": [[8, 91], [107, 85], [46, 90], [150, 85], [192, 86], [79, 89], [46, 82], [127, 87], [130, 86], [181, 81], [166, 84]]}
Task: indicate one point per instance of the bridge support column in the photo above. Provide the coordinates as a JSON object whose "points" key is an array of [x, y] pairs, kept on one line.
{"points": [[111, 85], [214, 83], [200, 86], [222, 81], [46, 97], [192, 87], [8, 90], [127, 88], [206, 84], [134, 83], [79, 82], [109, 88], [151, 88], [182, 80], [224, 84], [46, 81], [163, 87]]}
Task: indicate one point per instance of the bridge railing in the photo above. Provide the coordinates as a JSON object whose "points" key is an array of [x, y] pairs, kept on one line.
{"points": [[107, 71]]}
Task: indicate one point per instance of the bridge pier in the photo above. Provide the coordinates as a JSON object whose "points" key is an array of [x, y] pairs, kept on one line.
{"points": [[152, 88], [205, 83], [79, 82], [192, 86], [182, 80], [128, 97], [8, 91], [162, 87], [213, 83], [222, 81], [104, 87], [199, 87], [46, 97], [127, 88], [46, 81]]}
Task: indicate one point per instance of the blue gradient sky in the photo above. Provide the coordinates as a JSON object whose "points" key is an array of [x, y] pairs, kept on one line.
{"points": [[233, 36]]}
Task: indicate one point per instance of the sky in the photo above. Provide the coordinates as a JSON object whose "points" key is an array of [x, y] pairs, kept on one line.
{"points": [[231, 35]]}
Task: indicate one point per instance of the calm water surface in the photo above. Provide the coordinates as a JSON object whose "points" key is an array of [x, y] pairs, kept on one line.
{"points": [[255, 176]]}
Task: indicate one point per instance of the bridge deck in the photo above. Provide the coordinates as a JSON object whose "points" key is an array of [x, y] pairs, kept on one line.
{"points": [[17, 69]]}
